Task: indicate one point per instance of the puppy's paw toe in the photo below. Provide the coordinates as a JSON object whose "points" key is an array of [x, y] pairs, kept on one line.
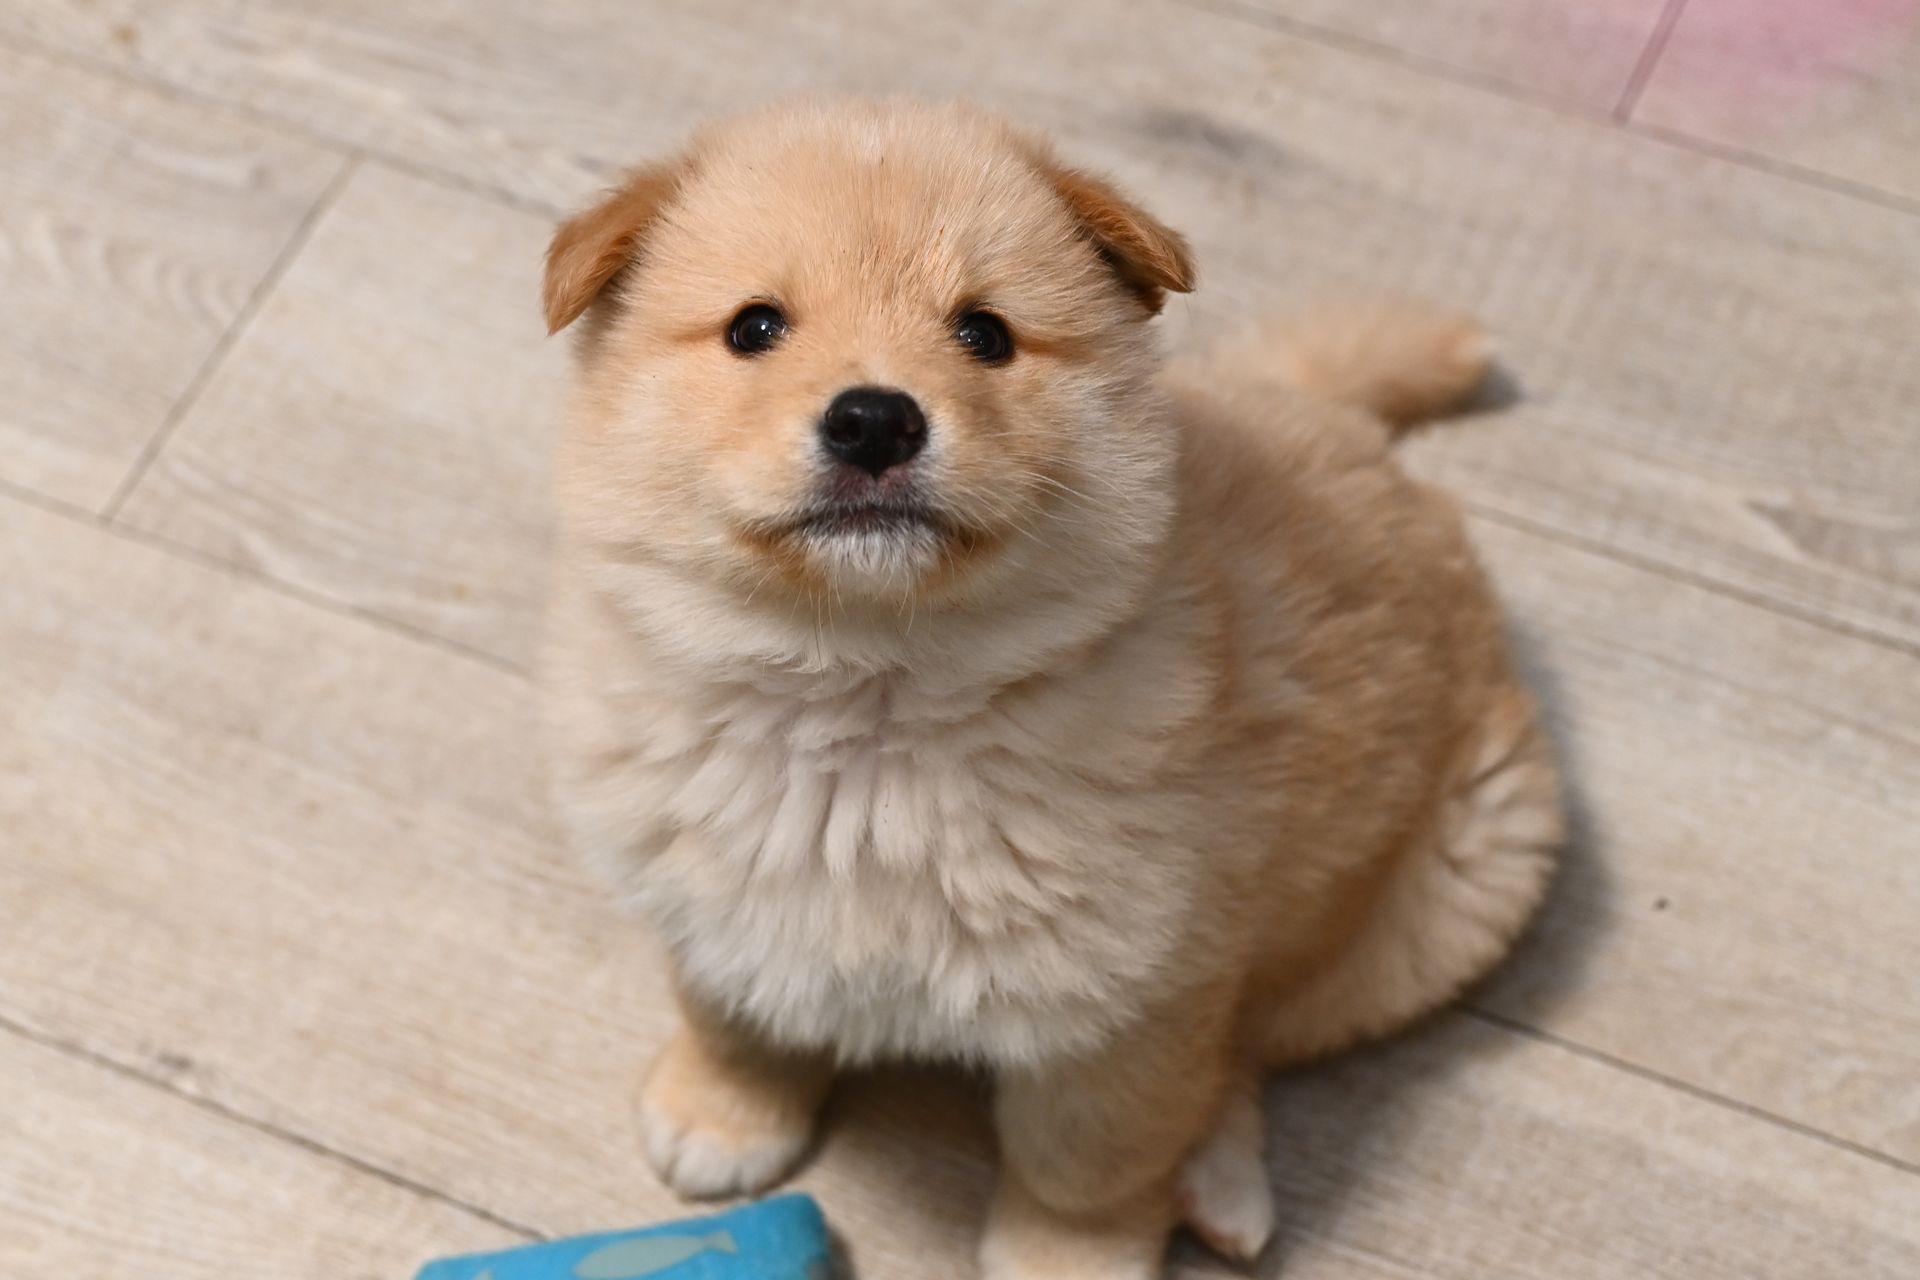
{"points": [[711, 1131], [1235, 1217], [1224, 1193], [704, 1162]]}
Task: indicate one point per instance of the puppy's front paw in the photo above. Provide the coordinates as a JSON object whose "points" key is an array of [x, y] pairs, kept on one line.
{"points": [[717, 1129]]}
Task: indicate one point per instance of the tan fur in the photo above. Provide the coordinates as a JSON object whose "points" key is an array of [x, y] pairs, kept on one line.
{"points": [[1183, 741], [589, 250], [1401, 360]]}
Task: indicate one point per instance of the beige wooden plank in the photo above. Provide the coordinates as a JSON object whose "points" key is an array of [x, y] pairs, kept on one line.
{"points": [[1465, 1153], [1834, 87], [133, 230], [1716, 361], [379, 434], [308, 855], [1742, 910], [106, 1178], [1582, 55]]}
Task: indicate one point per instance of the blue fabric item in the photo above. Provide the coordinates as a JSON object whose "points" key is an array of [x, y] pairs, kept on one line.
{"points": [[780, 1239]]}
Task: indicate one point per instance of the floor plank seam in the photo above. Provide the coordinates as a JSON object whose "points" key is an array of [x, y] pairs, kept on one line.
{"points": [[1785, 170], [127, 1071], [1673, 573], [230, 336], [255, 577], [1602, 1058], [51, 505], [1649, 60]]}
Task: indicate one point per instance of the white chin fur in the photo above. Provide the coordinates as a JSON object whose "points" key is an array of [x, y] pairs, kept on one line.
{"points": [[879, 562]]}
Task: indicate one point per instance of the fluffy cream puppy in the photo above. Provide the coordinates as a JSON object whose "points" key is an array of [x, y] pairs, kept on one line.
{"points": [[944, 677]]}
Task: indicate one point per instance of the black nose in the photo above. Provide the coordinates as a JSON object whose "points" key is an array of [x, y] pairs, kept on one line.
{"points": [[873, 428]]}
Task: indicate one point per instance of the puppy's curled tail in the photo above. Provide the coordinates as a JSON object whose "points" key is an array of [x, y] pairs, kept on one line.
{"points": [[1403, 361]]}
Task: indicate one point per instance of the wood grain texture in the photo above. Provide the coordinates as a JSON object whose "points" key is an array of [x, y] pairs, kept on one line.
{"points": [[380, 433], [1715, 362], [133, 230], [1833, 87], [1582, 55], [109, 1178], [296, 864], [308, 854], [1463, 1153], [1739, 911]]}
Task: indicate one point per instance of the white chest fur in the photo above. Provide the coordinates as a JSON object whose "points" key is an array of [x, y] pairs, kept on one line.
{"points": [[858, 865]]}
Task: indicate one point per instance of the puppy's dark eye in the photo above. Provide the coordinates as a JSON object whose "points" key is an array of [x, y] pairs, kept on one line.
{"points": [[985, 337], [756, 329]]}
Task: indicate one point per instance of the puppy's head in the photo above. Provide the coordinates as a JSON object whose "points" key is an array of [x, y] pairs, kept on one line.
{"points": [[886, 351]]}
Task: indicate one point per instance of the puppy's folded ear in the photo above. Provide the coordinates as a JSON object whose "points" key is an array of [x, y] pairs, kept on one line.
{"points": [[590, 248], [1150, 257]]}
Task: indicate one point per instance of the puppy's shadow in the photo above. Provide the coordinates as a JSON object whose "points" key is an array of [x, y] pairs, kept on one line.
{"points": [[1552, 958], [1498, 391]]}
